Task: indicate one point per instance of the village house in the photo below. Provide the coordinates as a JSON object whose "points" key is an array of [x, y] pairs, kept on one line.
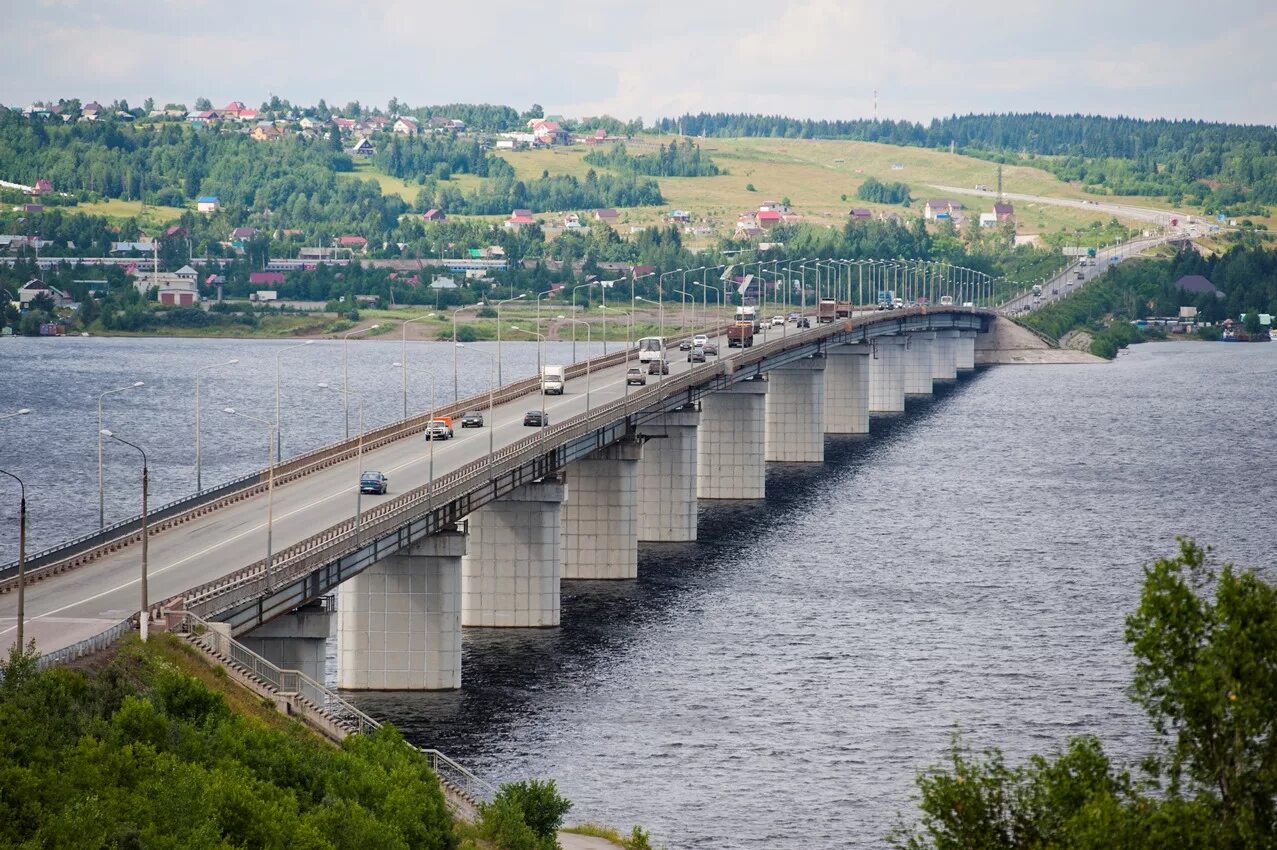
{"points": [[208, 204], [767, 219], [351, 243], [861, 214], [941, 208], [988, 220], [266, 133], [680, 216], [519, 218], [1004, 211], [1197, 284], [606, 214], [774, 206], [434, 215], [240, 236], [363, 147], [548, 132], [572, 221], [35, 287], [42, 187], [406, 125], [91, 111]]}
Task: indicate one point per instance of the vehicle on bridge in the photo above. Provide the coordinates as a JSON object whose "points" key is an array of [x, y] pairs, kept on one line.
{"points": [[803, 322], [553, 379], [472, 419], [440, 428], [635, 376], [778, 321], [946, 300], [684, 345], [741, 335], [700, 339], [536, 418], [749, 314], [825, 311], [696, 355], [711, 348], [658, 367], [1037, 289], [374, 482], [651, 348]]}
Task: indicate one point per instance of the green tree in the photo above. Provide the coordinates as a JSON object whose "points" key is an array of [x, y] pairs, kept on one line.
{"points": [[1251, 323]]}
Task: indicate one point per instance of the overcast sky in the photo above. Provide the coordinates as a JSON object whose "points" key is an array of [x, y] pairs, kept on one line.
{"points": [[804, 58]]}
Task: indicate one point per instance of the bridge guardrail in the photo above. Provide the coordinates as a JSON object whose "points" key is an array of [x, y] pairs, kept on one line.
{"points": [[328, 703], [307, 555]]}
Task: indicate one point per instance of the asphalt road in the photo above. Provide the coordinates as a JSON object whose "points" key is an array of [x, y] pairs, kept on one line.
{"points": [[65, 609], [1149, 214]]}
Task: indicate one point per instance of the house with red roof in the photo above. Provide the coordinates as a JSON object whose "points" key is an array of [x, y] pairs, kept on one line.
{"points": [[42, 187], [606, 214], [767, 219], [519, 218], [233, 109], [434, 215], [266, 278], [354, 243]]}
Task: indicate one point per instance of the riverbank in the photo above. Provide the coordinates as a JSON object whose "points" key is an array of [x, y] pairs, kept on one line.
{"points": [[1012, 344]]}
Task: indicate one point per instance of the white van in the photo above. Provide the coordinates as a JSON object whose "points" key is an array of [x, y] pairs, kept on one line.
{"points": [[651, 348]]}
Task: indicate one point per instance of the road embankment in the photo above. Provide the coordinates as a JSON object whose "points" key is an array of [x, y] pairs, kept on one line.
{"points": [[1010, 344]]}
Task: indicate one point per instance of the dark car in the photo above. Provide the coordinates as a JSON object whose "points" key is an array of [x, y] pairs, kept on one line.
{"points": [[536, 419], [710, 349], [685, 345], [635, 375], [804, 322], [374, 482], [472, 419], [696, 355], [658, 367]]}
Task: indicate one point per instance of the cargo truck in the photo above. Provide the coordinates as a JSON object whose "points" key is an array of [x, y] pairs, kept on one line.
{"points": [[552, 380], [741, 335], [748, 314], [886, 299], [825, 311]]}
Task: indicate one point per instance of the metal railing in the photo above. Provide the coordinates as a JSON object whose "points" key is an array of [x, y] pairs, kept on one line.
{"points": [[328, 704], [88, 646]]}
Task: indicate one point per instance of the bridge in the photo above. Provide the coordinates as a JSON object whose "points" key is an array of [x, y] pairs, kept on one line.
{"points": [[481, 530]]}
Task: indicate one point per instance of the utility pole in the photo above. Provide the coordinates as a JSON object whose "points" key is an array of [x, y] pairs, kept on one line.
{"points": [[999, 183]]}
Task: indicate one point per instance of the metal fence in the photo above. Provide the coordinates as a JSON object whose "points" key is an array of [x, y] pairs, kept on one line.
{"points": [[87, 646]]}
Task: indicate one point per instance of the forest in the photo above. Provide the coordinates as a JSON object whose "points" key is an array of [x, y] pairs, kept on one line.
{"points": [[876, 191], [674, 160]]}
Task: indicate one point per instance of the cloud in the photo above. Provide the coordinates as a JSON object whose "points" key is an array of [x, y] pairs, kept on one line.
{"points": [[806, 58]]}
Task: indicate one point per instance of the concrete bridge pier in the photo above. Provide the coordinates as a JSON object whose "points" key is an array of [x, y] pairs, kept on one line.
{"points": [[965, 351], [297, 640], [887, 366], [918, 366], [944, 356], [796, 412], [399, 621], [732, 443], [667, 477], [847, 389], [510, 575], [600, 517]]}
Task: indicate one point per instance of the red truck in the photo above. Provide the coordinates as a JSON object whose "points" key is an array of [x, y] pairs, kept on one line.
{"points": [[741, 335]]}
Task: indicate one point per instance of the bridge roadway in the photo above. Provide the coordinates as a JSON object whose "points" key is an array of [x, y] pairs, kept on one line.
{"points": [[70, 607]]}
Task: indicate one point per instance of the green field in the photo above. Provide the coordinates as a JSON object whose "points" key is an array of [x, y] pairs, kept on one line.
{"points": [[405, 189], [119, 211]]}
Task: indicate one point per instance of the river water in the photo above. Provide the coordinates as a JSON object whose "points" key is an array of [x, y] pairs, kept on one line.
{"points": [[778, 683]]}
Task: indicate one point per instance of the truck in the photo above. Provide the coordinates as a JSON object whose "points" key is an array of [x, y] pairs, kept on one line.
{"points": [[886, 299], [825, 311], [748, 314], [552, 380], [946, 300], [843, 310], [741, 335]]}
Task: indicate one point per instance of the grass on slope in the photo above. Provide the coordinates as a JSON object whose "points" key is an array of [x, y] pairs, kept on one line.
{"points": [[119, 211]]}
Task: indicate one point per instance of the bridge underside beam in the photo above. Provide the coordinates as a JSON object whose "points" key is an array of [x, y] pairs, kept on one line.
{"points": [[296, 641]]}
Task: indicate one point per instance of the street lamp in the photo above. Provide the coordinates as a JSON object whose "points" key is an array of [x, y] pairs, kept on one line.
{"points": [[541, 341], [430, 379], [629, 335], [345, 371], [499, 303], [634, 293], [589, 344], [22, 545], [101, 432], [693, 297], [144, 618], [492, 413], [199, 374], [574, 289], [550, 292], [403, 355], [660, 295], [456, 391], [279, 439], [359, 460], [271, 429]]}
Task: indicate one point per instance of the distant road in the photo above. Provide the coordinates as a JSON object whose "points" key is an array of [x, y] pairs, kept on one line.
{"points": [[1076, 275], [1148, 214]]}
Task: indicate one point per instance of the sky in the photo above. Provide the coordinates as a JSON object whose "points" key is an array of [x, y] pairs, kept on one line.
{"points": [[803, 58]]}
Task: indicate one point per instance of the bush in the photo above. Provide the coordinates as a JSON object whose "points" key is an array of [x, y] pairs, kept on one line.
{"points": [[542, 806], [486, 313], [467, 333], [1214, 333]]}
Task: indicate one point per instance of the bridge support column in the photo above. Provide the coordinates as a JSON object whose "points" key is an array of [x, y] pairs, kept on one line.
{"points": [[847, 389], [732, 443], [600, 517], [944, 356], [667, 477], [887, 375], [399, 621], [796, 412], [918, 368], [297, 640], [510, 576], [965, 351]]}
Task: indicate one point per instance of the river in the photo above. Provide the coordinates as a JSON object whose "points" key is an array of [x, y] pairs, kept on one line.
{"points": [[779, 682]]}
